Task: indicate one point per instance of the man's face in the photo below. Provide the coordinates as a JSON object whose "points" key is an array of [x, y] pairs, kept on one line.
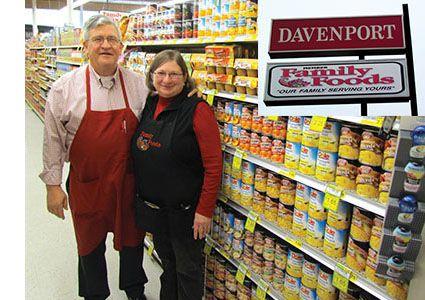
{"points": [[103, 47]]}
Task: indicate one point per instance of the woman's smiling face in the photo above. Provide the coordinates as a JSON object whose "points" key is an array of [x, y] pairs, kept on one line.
{"points": [[168, 79]]}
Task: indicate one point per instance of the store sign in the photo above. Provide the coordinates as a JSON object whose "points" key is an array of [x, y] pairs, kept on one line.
{"points": [[114, 15], [337, 34], [337, 80]]}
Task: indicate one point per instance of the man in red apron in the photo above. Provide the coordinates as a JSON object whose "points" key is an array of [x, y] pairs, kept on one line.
{"points": [[90, 117]]}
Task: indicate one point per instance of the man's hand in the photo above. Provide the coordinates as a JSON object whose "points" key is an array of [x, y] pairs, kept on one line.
{"points": [[201, 226], [57, 200]]}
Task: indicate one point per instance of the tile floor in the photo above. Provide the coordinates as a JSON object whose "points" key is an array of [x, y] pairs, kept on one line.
{"points": [[50, 247]]}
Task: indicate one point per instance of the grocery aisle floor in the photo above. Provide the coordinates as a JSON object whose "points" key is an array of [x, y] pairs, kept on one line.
{"points": [[50, 247]]}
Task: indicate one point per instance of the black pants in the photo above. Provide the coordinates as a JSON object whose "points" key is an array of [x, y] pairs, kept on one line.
{"points": [[181, 259], [92, 273]]}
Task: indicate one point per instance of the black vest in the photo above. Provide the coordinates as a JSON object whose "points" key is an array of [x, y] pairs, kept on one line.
{"points": [[167, 160]]}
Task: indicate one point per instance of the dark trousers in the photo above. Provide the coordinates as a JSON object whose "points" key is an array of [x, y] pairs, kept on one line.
{"points": [[182, 278], [92, 273], [93, 277]]}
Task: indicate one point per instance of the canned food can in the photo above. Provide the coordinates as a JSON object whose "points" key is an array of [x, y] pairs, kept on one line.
{"points": [[346, 173], [302, 196], [310, 272], [248, 172], [284, 216], [309, 138], [308, 157], [247, 255], [349, 142], [287, 192], [260, 181], [237, 248], [326, 165], [269, 248], [315, 208], [334, 244], [295, 127], [315, 232], [340, 219], [258, 202], [294, 263], [329, 137], [299, 223], [247, 194], [281, 255], [371, 149], [271, 208], [292, 154], [357, 254], [361, 224], [325, 289], [291, 287]]}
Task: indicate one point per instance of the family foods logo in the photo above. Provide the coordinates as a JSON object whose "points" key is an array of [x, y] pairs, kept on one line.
{"points": [[333, 79]]}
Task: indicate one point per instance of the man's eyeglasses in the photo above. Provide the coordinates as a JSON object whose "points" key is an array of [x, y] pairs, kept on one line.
{"points": [[112, 40], [173, 76]]}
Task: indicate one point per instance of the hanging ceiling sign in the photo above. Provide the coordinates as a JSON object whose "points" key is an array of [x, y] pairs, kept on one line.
{"points": [[336, 82], [336, 34]]}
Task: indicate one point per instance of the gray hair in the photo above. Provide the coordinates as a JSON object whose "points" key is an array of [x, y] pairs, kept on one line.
{"points": [[98, 20], [164, 57]]}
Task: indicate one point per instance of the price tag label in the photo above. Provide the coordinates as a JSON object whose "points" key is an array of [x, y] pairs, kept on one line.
{"points": [[318, 123], [237, 159], [262, 288], [210, 92], [287, 173], [332, 195], [238, 96], [251, 221], [225, 254], [341, 277], [331, 202], [376, 121], [222, 198], [223, 147], [273, 118], [150, 250], [231, 39], [207, 248], [241, 273], [296, 243], [353, 278], [210, 99]]}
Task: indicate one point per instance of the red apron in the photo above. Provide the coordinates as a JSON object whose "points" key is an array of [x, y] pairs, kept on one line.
{"points": [[101, 181]]}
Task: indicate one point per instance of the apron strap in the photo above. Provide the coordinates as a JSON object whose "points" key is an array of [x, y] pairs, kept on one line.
{"points": [[88, 91], [123, 89]]}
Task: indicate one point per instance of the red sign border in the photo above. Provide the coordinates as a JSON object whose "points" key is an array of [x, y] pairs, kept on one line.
{"points": [[337, 49]]}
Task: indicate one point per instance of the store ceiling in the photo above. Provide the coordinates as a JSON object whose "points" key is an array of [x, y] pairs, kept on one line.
{"points": [[95, 5]]}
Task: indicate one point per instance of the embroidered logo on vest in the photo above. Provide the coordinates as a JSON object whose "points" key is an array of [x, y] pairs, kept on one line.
{"points": [[144, 141]]}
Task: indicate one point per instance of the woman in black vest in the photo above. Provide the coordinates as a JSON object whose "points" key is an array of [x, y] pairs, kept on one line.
{"points": [[178, 164]]}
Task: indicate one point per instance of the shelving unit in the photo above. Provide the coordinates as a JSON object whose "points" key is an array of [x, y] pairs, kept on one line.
{"points": [[251, 275], [356, 277], [348, 196]]}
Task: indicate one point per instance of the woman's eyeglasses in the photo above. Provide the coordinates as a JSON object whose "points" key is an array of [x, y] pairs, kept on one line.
{"points": [[173, 76]]}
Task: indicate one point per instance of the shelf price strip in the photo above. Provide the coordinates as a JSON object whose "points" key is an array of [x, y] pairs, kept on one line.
{"points": [[241, 273], [333, 194], [341, 277], [262, 288], [251, 221]]}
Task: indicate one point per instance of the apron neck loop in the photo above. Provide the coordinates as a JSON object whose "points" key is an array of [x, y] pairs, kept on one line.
{"points": [[124, 92], [88, 91]]}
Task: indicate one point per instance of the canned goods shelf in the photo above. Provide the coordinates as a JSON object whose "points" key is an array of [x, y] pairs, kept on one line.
{"points": [[316, 253], [251, 275], [196, 41], [349, 197]]}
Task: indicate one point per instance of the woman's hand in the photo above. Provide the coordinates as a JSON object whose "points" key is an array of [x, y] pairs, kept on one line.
{"points": [[201, 226]]}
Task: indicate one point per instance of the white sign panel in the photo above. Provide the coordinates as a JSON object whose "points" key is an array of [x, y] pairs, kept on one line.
{"points": [[336, 80]]}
